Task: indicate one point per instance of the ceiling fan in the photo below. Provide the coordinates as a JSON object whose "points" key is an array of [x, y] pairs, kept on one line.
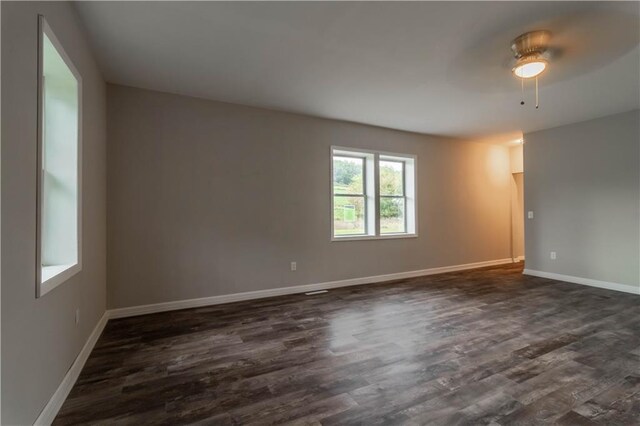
{"points": [[532, 54]]}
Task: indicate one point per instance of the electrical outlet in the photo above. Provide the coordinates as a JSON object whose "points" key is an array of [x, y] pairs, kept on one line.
{"points": [[294, 266], [530, 214], [553, 255], [77, 316]]}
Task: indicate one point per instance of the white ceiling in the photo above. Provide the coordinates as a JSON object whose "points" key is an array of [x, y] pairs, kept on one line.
{"points": [[437, 68]]}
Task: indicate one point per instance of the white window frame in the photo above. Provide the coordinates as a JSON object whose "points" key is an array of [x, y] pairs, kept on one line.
{"points": [[372, 193], [50, 277]]}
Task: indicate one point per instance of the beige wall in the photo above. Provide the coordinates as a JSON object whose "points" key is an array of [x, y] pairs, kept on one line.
{"points": [[583, 185], [39, 337], [207, 198]]}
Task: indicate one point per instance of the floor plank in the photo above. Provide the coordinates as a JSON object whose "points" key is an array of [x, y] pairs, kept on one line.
{"points": [[486, 346]]}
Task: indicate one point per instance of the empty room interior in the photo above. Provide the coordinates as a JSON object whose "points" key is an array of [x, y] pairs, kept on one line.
{"points": [[320, 213]]}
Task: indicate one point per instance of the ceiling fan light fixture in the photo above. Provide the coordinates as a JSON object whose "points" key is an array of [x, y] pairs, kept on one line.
{"points": [[529, 67], [531, 53]]}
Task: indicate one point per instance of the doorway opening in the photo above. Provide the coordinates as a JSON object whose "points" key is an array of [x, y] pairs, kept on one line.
{"points": [[516, 154], [517, 216]]}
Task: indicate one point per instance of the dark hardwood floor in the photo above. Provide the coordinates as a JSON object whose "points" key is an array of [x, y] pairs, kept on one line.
{"points": [[487, 346]]}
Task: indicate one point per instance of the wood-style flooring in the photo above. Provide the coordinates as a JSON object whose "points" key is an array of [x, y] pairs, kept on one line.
{"points": [[487, 346]]}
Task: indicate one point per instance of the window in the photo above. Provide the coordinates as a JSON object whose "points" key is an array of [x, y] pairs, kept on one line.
{"points": [[373, 194], [59, 207]]}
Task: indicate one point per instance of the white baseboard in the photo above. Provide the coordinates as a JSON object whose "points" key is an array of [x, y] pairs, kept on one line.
{"points": [[260, 294], [55, 403], [584, 281]]}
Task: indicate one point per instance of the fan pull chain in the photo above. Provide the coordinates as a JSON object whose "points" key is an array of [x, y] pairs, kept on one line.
{"points": [[537, 104], [522, 91]]}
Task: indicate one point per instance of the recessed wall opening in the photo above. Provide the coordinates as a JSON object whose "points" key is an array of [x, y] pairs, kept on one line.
{"points": [[59, 148], [516, 156], [517, 216]]}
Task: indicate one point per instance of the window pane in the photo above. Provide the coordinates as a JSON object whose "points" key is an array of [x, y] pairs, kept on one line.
{"points": [[392, 215], [391, 178], [348, 216], [59, 245], [348, 173]]}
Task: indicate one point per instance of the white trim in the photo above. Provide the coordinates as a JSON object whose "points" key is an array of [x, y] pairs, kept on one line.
{"points": [[368, 188], [53, 276], [374, 237], [371, 189], [250, 295], [313, 293], [50, 411], [584, 281]]}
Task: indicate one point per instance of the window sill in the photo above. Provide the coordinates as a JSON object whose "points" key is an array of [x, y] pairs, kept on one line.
{"points": [[374, 237], [54, 275]]}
